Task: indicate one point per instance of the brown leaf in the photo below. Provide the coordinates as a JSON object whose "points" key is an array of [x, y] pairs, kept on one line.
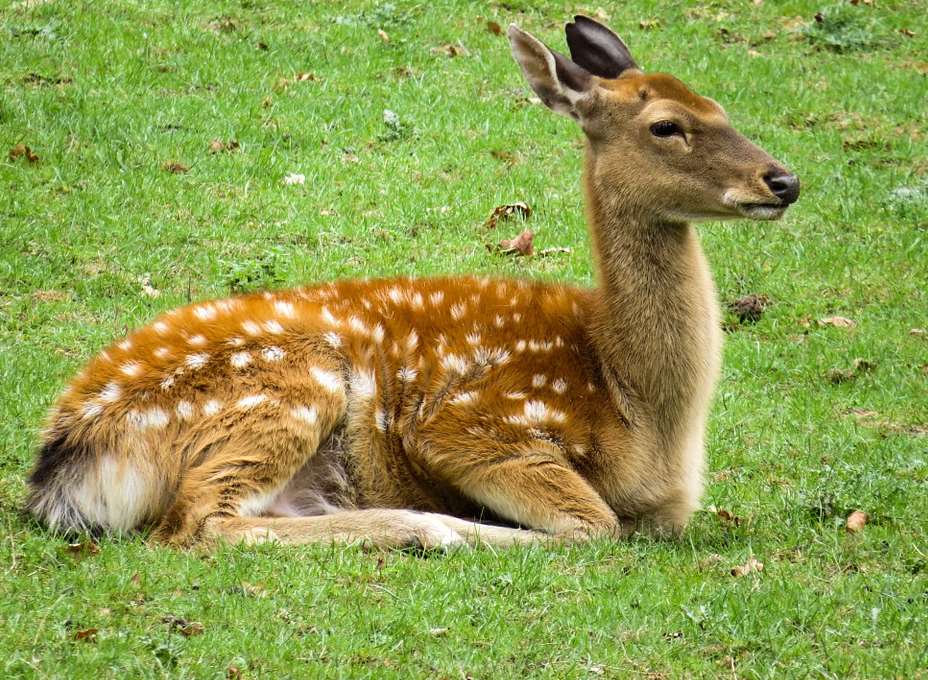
{"points": [[521, 245], [86, 635], [649, 24], [50, 296], [507, 211], [23, 151], [176, 167], [749, 308], [918, 332], [837, 322], [450, 50], [183, 626], [494, 28], [222, 25], [750, 567], [840, 375], [438, 632], [304, 77], [382, 34], [506, 157], [148, 289], [856, 521], [253, 589], [233, 673], [218, 146], [726, 516], [907, 32]]}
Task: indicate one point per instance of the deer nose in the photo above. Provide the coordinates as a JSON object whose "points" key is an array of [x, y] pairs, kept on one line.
{"points": [[784, 186]]}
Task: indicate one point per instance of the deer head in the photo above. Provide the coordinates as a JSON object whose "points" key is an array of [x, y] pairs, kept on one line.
{"points": [[654, 144]]}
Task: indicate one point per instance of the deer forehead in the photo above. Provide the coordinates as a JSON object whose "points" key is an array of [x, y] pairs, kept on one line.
{"points": [[662, 89]]}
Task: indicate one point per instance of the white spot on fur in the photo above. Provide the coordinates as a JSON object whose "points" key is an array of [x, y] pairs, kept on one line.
{"points": [[407, 374], [436, 297], [540, 345], [274, 327], [131, 368], [251, 328], [167, 383], [184, 410], [417, 301], [521, 345], [240, 359], [333, 339], [396, 295], [307, 414], [590, 387], [162, 352], [285, 309], [473, 338], [152, 419], [91, 410], [327, 317], [517, 317], [197, 340], [205, 312], [380, 420], [515, 395], [559, 386], [499, 321], [539, 380], [457, 311], [161, 328], [212, 407], [251, 401], [558, 341], [196, 361], [412, 340], [464, 398], [378, 334], [537, 412], [272, 353], [455, 363], [125, 345], [363, 384], [236, 341], [329, 380], [494, 356], [110, 393], [355, 324]]}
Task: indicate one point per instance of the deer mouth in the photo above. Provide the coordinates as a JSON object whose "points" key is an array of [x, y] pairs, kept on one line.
{"points": [[761, 211]]}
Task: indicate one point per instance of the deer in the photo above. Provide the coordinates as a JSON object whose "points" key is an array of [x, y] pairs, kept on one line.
{"points": [[451, 411]]}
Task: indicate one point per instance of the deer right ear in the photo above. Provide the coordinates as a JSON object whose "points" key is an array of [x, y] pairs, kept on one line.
{"points": [[597, 49], [559, 82]]}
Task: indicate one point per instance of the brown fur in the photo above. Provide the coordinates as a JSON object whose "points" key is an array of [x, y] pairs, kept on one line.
{"points": [[401, 411]]}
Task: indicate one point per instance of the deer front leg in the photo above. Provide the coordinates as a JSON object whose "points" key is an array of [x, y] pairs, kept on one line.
{"points": [[530, 486]]}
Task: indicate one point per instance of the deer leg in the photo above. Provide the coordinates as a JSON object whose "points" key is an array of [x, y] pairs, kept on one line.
{"points": [[240, 462]]}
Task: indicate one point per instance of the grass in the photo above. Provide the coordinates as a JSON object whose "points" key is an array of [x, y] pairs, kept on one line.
{"points": [[107, 94]]}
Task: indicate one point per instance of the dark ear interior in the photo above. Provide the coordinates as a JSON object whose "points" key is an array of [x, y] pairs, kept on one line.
{"points": [[597, 49]]}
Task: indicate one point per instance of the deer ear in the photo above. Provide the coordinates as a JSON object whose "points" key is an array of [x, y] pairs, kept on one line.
{"points": [[559, 82], [597, 49]]}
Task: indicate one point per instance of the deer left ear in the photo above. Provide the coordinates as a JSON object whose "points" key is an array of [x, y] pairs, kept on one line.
{"points": [[559, 82], [597, 49]]}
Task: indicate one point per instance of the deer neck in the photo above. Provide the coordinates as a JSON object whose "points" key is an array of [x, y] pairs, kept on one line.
{"points": [[655, 319]]}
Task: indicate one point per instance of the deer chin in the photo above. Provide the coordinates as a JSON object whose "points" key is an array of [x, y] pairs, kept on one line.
{"points": [[761, 211]]}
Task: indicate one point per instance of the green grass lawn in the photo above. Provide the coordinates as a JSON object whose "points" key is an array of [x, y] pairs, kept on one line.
{"points": [[107, 95]]}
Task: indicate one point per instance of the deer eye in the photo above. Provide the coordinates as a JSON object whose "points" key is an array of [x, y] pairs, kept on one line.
{"points": [[665, 128]]}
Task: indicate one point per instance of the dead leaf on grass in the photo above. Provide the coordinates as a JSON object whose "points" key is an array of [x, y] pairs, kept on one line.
{"points": [[83, 548], [521, 245], [294, 178], [233, 673], [450, 50], [749, 308], [494, 28], [223, 24], [918, 332], [649, 24], [86, 635], [148, 290], [506, 157], [23, 151], [837, 322], [183, 626], [382, 34], [752, 566], [501, 213], [218, 146], [50, 296], [175, 167], [840, 375], [856, 521], [438, 632]]}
